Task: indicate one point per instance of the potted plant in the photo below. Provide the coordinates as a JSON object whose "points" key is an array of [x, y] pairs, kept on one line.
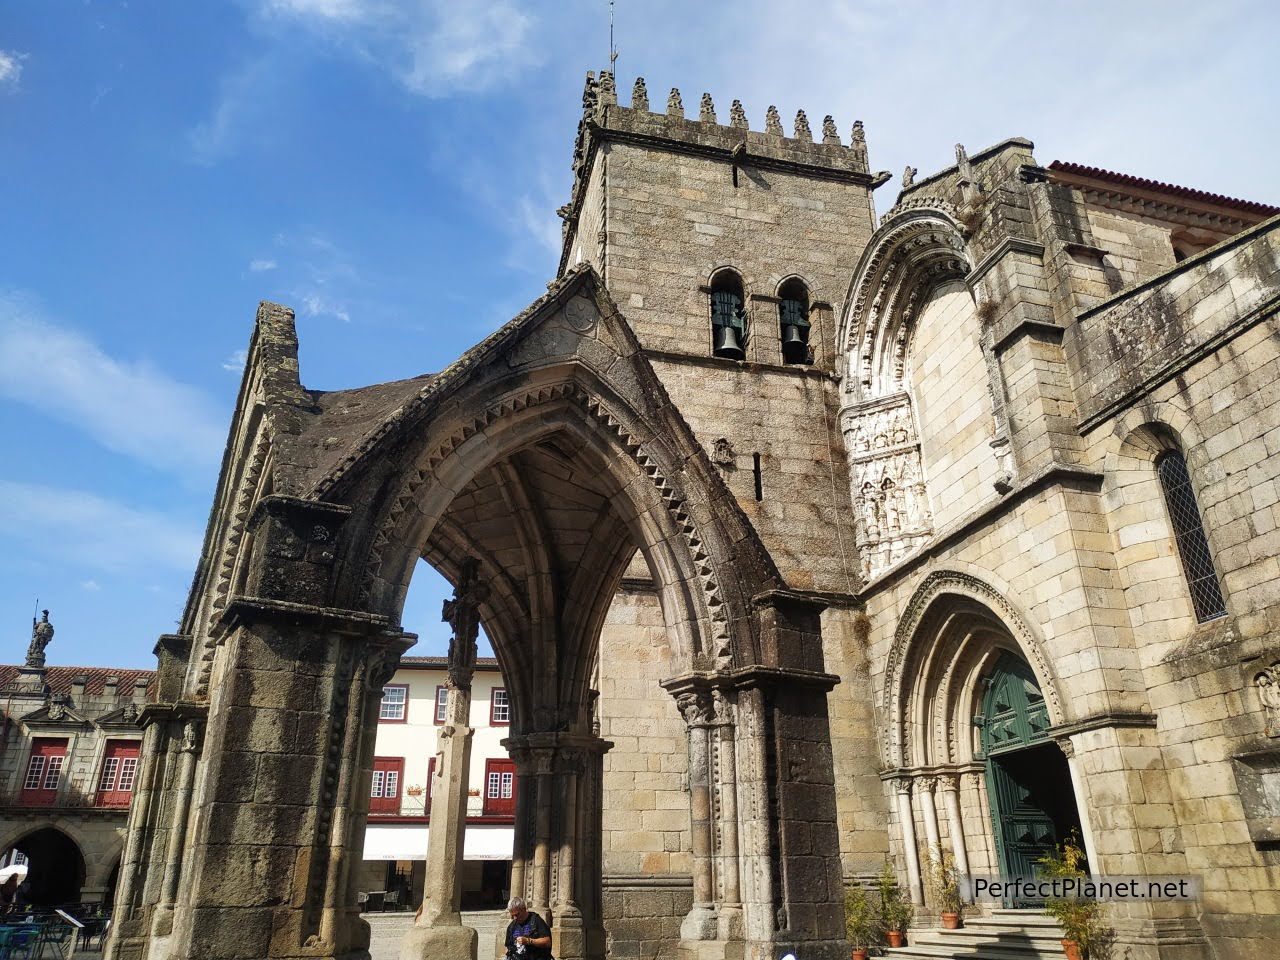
{"points": [[944, 885], [896, 913], [1080, 918], [859, 922]]}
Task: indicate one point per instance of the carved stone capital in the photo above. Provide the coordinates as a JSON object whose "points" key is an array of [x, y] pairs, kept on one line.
{"points": [[695, 708]]}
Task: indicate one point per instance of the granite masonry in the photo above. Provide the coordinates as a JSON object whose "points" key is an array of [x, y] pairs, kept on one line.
{"points": [[805, 537]]}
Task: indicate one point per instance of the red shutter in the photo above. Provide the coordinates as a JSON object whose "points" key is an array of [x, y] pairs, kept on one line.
{"points": [[387, 786], [119, 771], [499, 788], [44, 772]]}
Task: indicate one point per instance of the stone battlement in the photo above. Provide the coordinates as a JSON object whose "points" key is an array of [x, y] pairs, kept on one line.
{"points": [[823, 149]]}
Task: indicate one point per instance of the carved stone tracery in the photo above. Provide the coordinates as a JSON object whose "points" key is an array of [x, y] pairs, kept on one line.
{"points": [[891, 504]]}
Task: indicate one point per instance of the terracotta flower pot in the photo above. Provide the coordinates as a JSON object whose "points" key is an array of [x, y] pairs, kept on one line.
{"points": [[896, 938], [859, 953], [1072, 950], [950, 921]]}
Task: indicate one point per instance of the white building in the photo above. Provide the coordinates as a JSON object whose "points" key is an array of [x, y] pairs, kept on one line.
{"points": [[395, 845]]}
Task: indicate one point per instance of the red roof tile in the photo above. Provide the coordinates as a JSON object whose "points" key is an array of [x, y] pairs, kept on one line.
{"points": [[1188, 193], [60, 679]]}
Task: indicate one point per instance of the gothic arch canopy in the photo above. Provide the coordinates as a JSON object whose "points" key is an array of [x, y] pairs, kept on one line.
{"points": [[917, 248], [549, 453], [952, 629], [914, 251]]}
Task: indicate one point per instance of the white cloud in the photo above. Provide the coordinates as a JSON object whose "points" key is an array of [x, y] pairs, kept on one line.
{"points": [[10, 69], [242, 95], [325, 9], [128, 407], [315, 304], [433, 47], [235, 362], [261, 265], [91, 586], [72, 526]]}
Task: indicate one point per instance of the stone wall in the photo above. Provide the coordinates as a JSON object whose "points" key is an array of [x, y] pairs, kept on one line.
{"points": [[952, 404]]}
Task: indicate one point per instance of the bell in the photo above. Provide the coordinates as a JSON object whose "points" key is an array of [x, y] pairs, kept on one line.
{"points": [[795, 348], [725, 343]]}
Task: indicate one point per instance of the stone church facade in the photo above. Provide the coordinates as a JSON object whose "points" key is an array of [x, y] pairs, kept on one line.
{"points": [[804, 537]]}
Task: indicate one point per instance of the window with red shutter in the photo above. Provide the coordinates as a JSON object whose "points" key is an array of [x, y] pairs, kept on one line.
{"points": [[499, 788], [384, 792], [119, 771], [44, 772]]}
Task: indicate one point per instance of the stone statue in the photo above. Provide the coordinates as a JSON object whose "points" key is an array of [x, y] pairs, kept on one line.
{"points": [[1268, 684], [41, 636], [908, 177]]}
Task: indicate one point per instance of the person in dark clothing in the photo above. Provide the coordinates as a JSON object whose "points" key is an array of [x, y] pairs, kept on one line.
{"points": [[9, 894], [528, 936]]}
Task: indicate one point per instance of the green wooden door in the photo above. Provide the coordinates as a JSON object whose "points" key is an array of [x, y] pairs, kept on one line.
{"points": [[1023, 771]]}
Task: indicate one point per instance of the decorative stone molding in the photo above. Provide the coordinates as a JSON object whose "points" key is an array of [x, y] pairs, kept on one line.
{"points": [[420, 479], [934, 586]]}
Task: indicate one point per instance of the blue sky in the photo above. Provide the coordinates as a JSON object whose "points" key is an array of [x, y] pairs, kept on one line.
{"points": [[390, 169]]}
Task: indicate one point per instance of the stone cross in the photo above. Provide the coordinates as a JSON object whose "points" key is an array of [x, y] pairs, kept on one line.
{"points": [[462, 614]]}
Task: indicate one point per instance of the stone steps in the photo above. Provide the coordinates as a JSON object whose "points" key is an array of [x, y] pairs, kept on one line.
{"points": [[1006, 934]]}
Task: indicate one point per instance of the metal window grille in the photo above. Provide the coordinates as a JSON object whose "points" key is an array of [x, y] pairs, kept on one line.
{"points": [[794, 313], [1188, 531], [726, 310]]}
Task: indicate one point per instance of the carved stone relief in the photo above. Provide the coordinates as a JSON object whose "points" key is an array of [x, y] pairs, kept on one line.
{"points": [[890, 500]]}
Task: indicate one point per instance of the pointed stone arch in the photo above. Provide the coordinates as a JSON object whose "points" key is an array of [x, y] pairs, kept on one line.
{"points": [[954, 623], [914, 251], [528, 473]]}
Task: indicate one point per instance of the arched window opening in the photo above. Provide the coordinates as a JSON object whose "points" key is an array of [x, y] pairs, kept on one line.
{"points": [[793, 315], [728, 317], [1188, 531]]}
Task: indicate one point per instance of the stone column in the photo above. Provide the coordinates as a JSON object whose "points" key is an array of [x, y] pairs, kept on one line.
{"points": [[951, 801], [700, 922], [540, 871], [567, 928], [128, 926], [437, 932], [929, 809], [188, 749], [729, 920], [907, 822], [1082, 803]]}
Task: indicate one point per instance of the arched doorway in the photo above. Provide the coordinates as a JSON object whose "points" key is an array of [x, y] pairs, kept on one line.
{"points": [[55, 867], [1033, 805]]}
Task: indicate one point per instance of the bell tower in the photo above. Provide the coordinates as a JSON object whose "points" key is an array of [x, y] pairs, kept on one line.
{"points": [[729, 251], [715, 239]]}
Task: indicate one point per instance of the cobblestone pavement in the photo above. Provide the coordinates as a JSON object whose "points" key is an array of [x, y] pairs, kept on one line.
{"points": [[388, 929]]}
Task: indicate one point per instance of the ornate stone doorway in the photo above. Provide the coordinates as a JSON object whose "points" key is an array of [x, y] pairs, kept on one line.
{"points": [[1033, 804]]}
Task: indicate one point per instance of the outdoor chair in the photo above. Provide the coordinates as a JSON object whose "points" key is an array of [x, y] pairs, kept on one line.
{"points": [[19, 942]]}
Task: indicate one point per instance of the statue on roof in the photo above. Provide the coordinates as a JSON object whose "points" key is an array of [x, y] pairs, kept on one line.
{"points": [[41, 636]]}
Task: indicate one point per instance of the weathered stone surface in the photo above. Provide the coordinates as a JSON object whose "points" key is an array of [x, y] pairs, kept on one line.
{"points": [[835, 556]]}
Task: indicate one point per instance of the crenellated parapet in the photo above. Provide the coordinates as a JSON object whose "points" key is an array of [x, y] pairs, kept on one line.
{"points": [[735, 142]]}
